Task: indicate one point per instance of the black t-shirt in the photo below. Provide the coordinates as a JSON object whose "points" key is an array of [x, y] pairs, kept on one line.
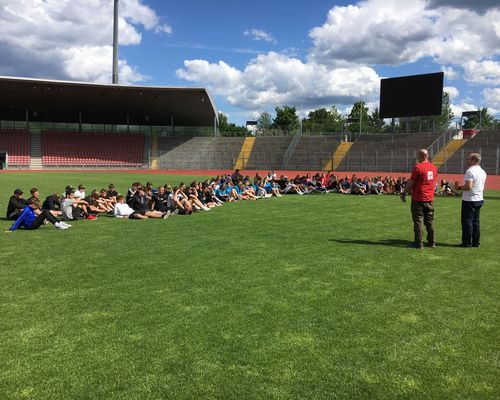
{"points": [[112, 193], [139, 203], [15, 204], [90, 200], [51, 204], [160, 201]]}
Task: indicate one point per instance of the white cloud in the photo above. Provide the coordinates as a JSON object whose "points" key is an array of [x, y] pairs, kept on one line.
{"points": [[70, 39], [482, 72], [259, 34], [394, 32], [457, 109], [452, 91], [491, 98], [450, 73], [276, 79]]}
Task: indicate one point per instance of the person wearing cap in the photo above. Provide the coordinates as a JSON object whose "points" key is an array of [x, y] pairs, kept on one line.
{"points": [[32, 218], [16, 205]]}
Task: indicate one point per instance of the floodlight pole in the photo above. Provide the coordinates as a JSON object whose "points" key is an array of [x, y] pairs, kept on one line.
{"points": [[115, 43]]}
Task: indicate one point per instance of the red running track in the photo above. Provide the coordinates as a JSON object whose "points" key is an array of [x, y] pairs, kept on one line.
{"points": [[492, 182]]}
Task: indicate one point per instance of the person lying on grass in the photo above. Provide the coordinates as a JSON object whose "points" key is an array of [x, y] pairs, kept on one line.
{"points": [[32, 217]]}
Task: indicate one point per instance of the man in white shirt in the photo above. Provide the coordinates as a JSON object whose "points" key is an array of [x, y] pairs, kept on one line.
{"points": [[80, 193], [472, 200]]}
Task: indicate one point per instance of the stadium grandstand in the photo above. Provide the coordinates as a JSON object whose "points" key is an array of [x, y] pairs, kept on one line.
{"points": [[56, 124], [51, 124]]}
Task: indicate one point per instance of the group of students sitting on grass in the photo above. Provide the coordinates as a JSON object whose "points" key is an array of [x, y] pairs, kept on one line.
{"points": [[145, 201]]}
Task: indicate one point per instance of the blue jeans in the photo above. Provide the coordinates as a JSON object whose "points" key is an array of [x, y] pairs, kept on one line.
{"points": [[470, 222]]}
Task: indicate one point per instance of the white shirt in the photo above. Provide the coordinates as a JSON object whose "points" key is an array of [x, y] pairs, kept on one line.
{"points": [[80, 194], [67, 208], [478, 177], [122, 210]]}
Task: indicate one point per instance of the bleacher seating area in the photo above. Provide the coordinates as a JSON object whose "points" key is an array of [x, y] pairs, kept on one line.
{"points": [[386, 152], [370, 152], [69, 148], [198, 152], [313, 152], [487, 143], [17, 142]]}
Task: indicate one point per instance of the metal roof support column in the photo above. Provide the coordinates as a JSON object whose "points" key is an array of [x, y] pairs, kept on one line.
{"points": [[115, 44]]}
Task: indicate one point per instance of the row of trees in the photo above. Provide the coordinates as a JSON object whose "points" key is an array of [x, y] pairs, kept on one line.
{"points": [[331, 120]]}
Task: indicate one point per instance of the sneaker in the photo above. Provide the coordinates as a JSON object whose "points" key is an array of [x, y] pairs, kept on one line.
{"points": [[416, 246], [175, 212], [464, 245], [58, 225], [65, 224], [167, 214], [431, 245]]}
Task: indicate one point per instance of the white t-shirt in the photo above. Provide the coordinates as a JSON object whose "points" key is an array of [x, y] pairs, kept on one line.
{"points": [[67, 208], [122, 210], [80, 194], [478, 177]]}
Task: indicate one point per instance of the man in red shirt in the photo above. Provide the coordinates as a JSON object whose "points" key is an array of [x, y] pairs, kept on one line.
{"points": [[422, 184]]}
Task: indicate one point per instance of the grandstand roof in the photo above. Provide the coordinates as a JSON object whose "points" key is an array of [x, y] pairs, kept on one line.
{"points": [[63, 101]]}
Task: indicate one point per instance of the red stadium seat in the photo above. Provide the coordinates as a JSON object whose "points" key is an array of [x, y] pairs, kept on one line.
{"points": [[68, 148]]}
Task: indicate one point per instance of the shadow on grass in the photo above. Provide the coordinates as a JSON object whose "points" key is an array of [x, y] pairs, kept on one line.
{"points": [[386, 242]]}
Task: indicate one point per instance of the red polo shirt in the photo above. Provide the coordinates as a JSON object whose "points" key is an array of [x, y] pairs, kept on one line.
{"points": [[424, 175]]}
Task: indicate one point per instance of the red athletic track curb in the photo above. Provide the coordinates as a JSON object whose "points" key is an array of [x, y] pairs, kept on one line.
{"points": [[492, 183]]}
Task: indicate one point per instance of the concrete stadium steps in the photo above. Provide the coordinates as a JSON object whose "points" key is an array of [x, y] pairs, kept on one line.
{"points": [[199, 153], [268, 152], [487, 143], [245, 152], [36, 149], [386, 152], [312, 152], [447, 151], [338, 156]]}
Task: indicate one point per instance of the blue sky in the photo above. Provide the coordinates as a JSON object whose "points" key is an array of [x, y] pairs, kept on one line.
{"points": [[254, 56]]}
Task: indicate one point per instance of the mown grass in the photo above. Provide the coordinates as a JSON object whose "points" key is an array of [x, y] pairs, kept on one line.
{"points": [[313, 297]]}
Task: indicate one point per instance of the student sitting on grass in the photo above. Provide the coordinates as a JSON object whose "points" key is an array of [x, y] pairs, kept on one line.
{"points": [[52, 204], [16, 205], [181, 201], [74, 208], [32, 218], [112, 193], [141, 205], [123, 210], [95, 206]]}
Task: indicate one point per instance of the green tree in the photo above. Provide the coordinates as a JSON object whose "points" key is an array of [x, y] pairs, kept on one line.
{"points": [[286, 118], [264, 122], [485, 119], [440, 122], [359, 111], [227, 128], [324, 120], [375, 122]]}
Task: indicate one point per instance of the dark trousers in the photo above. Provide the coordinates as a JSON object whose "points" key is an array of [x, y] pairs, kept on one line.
{"points": [[470, 222], [44, 215], [423, 212]]}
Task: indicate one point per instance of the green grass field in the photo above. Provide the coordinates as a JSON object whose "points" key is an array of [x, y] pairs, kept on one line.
{"points": [[303, 297]]}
